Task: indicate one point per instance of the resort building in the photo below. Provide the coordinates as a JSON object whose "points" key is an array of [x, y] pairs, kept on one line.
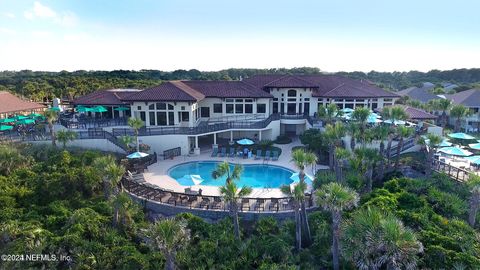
{"points": [[470, 99], [195, 114], [423, 94], [12, 104]]}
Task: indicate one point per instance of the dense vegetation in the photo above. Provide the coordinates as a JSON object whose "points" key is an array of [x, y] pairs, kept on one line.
{"points": [[44, 86], [54, 202]]}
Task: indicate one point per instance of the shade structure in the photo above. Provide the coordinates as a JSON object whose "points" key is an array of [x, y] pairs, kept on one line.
{"points": [[347, 110], [474, 159], [455, 151], [34, 115], [475, 146], [461, 136], [7, 120], [122, 109], [445, 143], [20, 117], [190, 180], [83, 109], [55, 109], [245, 142], [395, 122], [296, 178], [99, 109], [4, 127], [137, 155], [25, 122]]}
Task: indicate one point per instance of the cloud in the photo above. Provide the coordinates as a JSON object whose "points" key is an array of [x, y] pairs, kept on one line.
{"points": [[40, 11], [7, 31], [8, 15]]}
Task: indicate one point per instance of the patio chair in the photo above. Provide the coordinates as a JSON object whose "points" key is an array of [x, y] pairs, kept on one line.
{"points": [[214, 152], [245, 204], [260, 205], [275, 155], [259, 154], [267, 155], [224, 152], [232, 152], [273, 204]]}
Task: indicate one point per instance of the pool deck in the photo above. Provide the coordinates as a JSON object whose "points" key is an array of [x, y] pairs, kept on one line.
{"points": [[157, 173]]}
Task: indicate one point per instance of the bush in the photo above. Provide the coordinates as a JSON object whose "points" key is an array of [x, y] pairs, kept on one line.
{"points": [[283, 139]]}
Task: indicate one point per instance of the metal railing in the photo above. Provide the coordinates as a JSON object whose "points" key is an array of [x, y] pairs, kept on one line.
{"points": [[215, 203], [406, 145], [455, 173], [86, 123], [152, 131]]}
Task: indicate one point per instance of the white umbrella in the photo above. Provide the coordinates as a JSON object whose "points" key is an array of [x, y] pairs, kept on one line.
{"points": [[190, 180], [137, 155]]}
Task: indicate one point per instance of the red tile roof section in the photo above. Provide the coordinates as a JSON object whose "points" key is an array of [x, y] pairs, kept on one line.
{"points": [[165, 92], [10, 103], [105, 97], [189, 90], [227, 89]]}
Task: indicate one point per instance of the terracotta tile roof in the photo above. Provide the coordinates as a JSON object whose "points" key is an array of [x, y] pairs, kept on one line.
{"points": [[105, 97], [468, 98], [417, 114], [291, 81], [330, 86], [167, 91], [227, 89], [10, 103], [421, 94]]}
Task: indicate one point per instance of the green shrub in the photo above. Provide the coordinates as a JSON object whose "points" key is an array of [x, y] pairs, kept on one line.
{"points": [[283, 139]]}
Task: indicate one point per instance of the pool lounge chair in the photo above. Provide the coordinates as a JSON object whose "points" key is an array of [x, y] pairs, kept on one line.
{"points": [[275, 155], [215, 152], [224, 152], [259, 155], [232, 152], [267, 155]]}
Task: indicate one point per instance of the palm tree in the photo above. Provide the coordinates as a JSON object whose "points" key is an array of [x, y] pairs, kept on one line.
{"points": [[431, 143], [335, 199], [443, 105], [223, 169], [110, 172], [366, 158], [329, 113], [122, 205], [373, 240], [297, 194], [127, 141], [333, 134], [136, 124], [381, 134], [114, 173], [51, 117], [459, 112], [360, 115], [353, 130], [168, 236], [231, 195], [341, 155], [64, 136], [474, 201], [403, 132], [303, 159]]}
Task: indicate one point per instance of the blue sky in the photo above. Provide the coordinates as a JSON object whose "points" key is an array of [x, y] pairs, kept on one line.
{"points": [[211, 35]]}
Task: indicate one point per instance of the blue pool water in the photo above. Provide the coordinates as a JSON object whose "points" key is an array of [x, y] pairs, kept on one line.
{"points": [[254, 175]]}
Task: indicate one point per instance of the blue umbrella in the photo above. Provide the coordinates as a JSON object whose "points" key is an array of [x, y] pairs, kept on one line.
{"points": [[474, 159], [347, 110], [456, 151], [445, 143], [475, 146], [372, 118], [137, 155], [296, 178], [190, 180], [461, 136], [396, 122], [245, 142]]}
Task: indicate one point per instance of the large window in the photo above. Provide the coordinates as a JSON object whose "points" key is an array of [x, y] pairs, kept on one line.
{"points": [[248, 108], [161, 118], [217, 108], [262, 108], [292, 93], [171, 118], [161, 114], [151, 116], [239, 108], [205, 112], [229, 108], [184, 116]]}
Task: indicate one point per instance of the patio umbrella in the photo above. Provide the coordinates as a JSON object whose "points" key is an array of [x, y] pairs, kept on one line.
{"points": [[4, 127], [475, 146], [35, 115], [122, 109], [474, 159], [347, 110], [20, 117], [137, 155], [373, 119], [455, 151], [25, 122], [55, 109], [296, 178], [99, 109], [461, 136], [83, 109], [245, 142], [396, 122], [7, 120], [190, 180]]}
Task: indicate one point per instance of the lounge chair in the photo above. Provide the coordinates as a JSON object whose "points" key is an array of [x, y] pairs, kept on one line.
{"points": [[232, 152], [224, 152], [215, 152], [275, 155], [259, 154], [267, 155]]}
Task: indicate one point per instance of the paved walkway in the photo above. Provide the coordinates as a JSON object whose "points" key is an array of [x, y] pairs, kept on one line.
{"points": [[157, 173]]}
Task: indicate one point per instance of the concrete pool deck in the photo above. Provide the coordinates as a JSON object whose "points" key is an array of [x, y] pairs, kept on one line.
{"points": [[157, 173]]}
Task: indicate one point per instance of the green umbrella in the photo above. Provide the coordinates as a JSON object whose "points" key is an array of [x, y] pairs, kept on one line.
{"points": [[99, 109], [3, 128], [20, 117], [35, 115], [7, 120], [122, 109], [25, 122], [83, 109], [55, 109]]}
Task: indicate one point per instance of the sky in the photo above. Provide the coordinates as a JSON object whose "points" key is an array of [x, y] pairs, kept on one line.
{"points": [[209, 35]]}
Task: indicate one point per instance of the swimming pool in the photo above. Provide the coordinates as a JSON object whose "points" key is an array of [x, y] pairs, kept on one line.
{"points": [[254, 175]]}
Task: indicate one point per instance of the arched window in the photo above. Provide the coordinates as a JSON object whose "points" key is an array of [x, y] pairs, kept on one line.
{"points": [[292, 93]]}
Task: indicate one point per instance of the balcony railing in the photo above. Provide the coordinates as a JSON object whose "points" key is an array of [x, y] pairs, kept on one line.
{"points": [[92, 122], [152, 131], [455, 173]]}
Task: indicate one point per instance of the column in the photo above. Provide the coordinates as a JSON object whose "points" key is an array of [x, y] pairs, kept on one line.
{"points": [[260, 135], [196, 151], [231, 136], [215, 145]]}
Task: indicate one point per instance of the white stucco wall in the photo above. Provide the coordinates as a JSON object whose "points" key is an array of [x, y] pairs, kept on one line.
{"points": [[94, 144], [161, 143]]}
